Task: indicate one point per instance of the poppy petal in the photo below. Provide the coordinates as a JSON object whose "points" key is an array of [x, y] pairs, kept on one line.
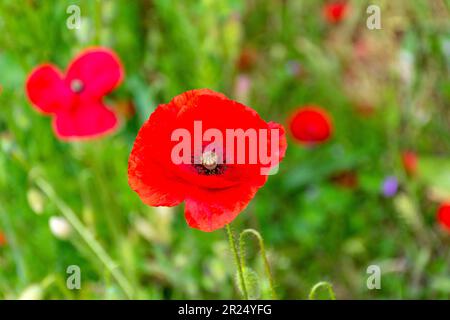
{"points": [[282, 146], [211, 209], [98, 69], [46, 89], [148, 172], [88, 120], [154, 186]]}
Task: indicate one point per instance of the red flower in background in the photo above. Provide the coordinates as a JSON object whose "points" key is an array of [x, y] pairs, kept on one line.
{"points": [[346, 179], [409, 160], [75, 99], [310, 125], [443, 216], [214, 194], [336, 11], [3, 240]]}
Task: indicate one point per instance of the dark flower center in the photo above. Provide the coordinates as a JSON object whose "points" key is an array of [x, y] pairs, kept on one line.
{"points": [[210, 164], [209, 160], [76, 85]]}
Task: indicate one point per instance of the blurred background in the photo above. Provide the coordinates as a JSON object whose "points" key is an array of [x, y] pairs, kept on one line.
{"points": [[327, 215]]}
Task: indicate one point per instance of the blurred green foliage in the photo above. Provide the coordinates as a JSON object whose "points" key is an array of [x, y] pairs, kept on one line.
{"points": [[388, 90]]}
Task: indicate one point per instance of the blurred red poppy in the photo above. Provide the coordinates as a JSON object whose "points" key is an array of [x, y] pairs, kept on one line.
{"points": [[346, 179], [409, 160], [3, 241], [310, 125], [247, 59], [364, 109], [75, 99], [215, 192], [443, 216], [335, 11]]}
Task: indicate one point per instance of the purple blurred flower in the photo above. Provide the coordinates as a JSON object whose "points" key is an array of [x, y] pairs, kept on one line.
{"points": [[390, 186], [242, 88], [294, 68]]}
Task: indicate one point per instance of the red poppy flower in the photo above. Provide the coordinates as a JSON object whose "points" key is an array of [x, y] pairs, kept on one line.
{"points": [[443, 216], [335, 12], [214, 191], [75, 99], [310, 125], [409, 160]]}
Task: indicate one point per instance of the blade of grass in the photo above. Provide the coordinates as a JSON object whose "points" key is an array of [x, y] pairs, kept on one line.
{"points": [[87, 237]]}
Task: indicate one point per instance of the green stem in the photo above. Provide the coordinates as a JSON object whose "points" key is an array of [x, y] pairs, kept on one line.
{"points": [[87, 237], [312, 293], [16, 249], [100, 179], [98, 22], [263, 256], [237, 261]]}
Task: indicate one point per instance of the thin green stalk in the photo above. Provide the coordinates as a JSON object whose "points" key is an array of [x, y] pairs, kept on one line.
{"points": [[98, 22], [312, 293], [263, 256], [87, 237], [106, 199], [16, 250], [237, 261]]}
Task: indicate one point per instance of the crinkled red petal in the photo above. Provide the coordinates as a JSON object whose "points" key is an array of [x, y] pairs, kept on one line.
{"points": [[46, 89], [148, 172], [209, 210], [87, 120], [99, 70]]}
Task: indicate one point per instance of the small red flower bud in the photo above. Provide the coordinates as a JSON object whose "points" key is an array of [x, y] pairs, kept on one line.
{"points": [[336, 11], [409, 160]]}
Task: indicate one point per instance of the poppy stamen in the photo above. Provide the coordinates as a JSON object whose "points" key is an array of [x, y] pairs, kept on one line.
{"points": [[76, 85], [209, 163], [209, 160]]}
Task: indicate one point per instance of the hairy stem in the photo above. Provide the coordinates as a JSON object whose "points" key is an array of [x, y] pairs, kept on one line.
{"points": [[262, 251], [312, 293], [237, 261]]}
